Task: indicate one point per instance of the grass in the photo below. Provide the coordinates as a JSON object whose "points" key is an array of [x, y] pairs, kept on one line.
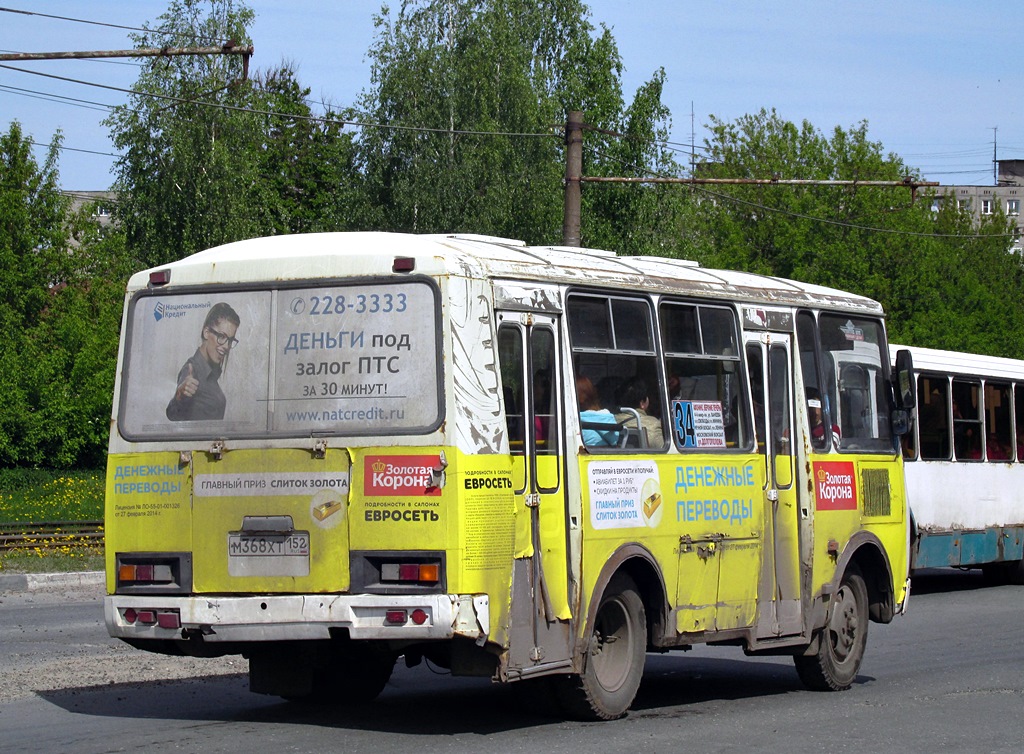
{"points": [[51, 561], [41, 495], [38, 495]]}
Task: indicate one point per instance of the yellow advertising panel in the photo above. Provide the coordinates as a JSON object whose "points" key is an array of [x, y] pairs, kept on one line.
{"points": [[148, 506], [441, 500], [700, 516], [270, 521]]}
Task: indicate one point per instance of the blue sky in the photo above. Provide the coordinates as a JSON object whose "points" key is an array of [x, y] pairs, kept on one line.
{"points": [[932, 79]]}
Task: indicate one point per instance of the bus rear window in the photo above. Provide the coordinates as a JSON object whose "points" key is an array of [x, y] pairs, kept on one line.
{"points": [[334, 359]]}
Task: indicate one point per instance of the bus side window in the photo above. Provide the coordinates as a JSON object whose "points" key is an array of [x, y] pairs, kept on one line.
{"points": [[933, 417], [755, 377], [617, 378], [998, 439], [1018, 409], [703, 364], [967, 420], [510, 352]]}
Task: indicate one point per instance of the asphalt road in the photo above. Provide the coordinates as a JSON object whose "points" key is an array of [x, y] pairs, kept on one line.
{"points": [[947, 677]]}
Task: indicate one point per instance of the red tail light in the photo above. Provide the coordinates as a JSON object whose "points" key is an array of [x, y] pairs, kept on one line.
{"points": [[152, 617], [411, 573]]}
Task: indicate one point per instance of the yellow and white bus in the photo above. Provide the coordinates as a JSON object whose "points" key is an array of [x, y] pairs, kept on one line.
{"points": [[332, 450]]}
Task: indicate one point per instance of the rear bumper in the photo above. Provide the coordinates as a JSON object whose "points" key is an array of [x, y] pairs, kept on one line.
{"points": [[297, 617]]}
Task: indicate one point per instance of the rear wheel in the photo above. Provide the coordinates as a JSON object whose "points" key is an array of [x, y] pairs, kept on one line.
{"points": [[614, 664], [1015, 572], [1006, 572], [350, 674], [356, 673], [841, 642]]}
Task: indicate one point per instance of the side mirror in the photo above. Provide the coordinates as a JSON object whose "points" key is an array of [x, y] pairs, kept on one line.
{"points": [[900, 422], [904, 378]]}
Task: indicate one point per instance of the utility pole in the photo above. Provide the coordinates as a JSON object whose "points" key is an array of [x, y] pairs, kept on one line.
{"points": [[228, 48], [995, 156], [693, 142], [573, 176]]}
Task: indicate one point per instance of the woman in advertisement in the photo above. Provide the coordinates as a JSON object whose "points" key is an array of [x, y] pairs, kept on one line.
{"points": [[198, 395]]}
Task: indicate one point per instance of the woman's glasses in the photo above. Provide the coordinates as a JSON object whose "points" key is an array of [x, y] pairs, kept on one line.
{"points": [[223, 339]]}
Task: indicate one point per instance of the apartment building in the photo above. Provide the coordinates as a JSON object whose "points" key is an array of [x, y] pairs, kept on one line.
{"points": [[1005, 196]]}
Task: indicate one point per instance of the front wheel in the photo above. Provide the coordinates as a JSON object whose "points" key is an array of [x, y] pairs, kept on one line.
{"points": [[841, 642], [614, 664]]}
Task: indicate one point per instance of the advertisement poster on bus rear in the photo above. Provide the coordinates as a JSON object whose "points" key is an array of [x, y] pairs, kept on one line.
{"points": [[355, 359]]}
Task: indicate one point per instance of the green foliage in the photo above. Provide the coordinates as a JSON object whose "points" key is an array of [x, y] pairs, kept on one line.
{"points": [[495, 79], [207, 159], [31, 243], [943, 282], [305, 165], [183, 178], [63, 280]]}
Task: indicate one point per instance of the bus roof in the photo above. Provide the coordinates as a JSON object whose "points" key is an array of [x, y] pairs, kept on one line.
{"points": [[967, 364], [336, 255]]}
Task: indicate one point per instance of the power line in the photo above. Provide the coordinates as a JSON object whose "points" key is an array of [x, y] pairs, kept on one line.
{"points": [[800, 216], [87, 104], [102, 23], [294, 116], [74, 149]]}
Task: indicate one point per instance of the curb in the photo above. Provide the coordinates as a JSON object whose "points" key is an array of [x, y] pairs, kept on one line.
{"points": [[33, 582]]}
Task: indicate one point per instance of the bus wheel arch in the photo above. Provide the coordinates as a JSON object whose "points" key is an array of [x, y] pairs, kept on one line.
{"points": [[613, 650], [639, 564], [867, 554], [834, 657], [625, 608]]}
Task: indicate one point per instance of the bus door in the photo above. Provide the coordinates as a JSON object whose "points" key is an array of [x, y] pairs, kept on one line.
{"points": [[529, 351], [769, 370]]}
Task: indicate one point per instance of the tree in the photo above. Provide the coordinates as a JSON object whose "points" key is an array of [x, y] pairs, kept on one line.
{"points": [[472, 95], [32, 238], [59, 317], [943, 282], [211, 157], [305, 164], [186, 170]]}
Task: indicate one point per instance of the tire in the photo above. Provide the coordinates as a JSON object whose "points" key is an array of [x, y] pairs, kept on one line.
{"points": [[349, 675], [1004, 572], [1015, 572], [614, 664], [841, 641], [994, 574]]}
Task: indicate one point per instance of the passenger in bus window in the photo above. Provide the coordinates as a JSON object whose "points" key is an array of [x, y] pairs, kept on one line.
{"points": [[816, 417], [634, 394], [199, 395], [995, 450], [1020, 440], [591, 413], [608, 390]]}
